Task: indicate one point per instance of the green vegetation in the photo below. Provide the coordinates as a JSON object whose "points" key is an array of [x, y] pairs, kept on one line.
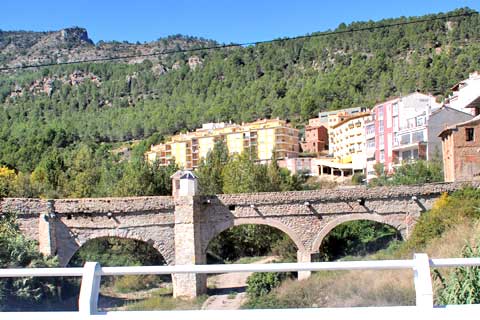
{"points": [[357, 238], [463, 284], [41, 135], [110, 252], [261, 283], [221, 173], [16, 251], [249, 241], [449, 211], [417, 172]]}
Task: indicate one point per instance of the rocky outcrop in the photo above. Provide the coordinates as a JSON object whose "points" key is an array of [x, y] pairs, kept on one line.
{"points": [[159, 69], [194, 62], [75, 35], [73, 44], [46, 84], [177, 65]]}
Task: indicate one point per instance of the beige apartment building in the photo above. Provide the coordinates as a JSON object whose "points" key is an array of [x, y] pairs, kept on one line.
{"points": [[347, 144], [260, 139]]}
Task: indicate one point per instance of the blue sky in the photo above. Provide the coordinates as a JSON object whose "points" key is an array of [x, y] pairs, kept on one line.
{"points": [[225, 21]]}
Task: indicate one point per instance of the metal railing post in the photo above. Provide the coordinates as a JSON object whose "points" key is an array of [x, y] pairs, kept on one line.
{"points": [[90, 287], [422, 280]]}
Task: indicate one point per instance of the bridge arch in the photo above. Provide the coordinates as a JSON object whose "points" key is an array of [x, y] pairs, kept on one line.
{"points": [[220, 227], [167, 252], [397, 224]]}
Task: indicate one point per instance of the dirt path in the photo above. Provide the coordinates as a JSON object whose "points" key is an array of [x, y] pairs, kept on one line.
{"points": [[229, 292]]}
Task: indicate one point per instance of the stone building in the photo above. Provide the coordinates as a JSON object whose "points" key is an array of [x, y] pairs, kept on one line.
{"points": [[461, 151]]}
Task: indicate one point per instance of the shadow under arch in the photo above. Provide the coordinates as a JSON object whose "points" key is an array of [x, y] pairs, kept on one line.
{"points": [[73, 248], [219, 228], [353, 217]]}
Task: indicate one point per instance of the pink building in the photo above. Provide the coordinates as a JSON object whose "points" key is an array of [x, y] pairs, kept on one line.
{"points": [[388, 119]]}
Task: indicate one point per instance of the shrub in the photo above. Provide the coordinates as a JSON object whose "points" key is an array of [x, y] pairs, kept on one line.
{"points": [[448, 211], [358, 178], [16, 251], [462, 286], [260, 284]]}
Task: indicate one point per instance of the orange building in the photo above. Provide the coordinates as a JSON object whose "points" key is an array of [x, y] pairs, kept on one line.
{"points": [[316, 137]]}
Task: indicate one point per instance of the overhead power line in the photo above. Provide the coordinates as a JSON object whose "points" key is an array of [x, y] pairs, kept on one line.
{"points": [[233, 45]]}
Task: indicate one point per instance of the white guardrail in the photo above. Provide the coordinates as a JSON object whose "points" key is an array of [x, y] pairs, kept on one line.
{"points": [[92, 272]]}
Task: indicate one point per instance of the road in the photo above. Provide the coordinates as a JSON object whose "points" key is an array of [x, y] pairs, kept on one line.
{"points": [[229, 291]]}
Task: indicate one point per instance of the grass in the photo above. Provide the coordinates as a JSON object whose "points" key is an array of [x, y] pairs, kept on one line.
{"points": [[232, 295], [125, 284], [162, 300]]}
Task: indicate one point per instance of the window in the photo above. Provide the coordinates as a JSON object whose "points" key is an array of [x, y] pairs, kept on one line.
{"points": [[415, 153], [417, 136], [395, 109], [380, 126], [395, 124], [371, 129], [381, 139], [405, 139], [406, 155], [411, 123], [371, 144], [470, 134], [380, 113], [420, 121], [382, 156]]}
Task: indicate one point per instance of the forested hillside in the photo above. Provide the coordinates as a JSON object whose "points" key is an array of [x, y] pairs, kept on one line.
{"points": [[61, 122]]}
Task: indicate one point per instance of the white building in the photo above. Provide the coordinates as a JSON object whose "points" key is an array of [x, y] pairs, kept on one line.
{"points": [[465, 95], [391, 120]]}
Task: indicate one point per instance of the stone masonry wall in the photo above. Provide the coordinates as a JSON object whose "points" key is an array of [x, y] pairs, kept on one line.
{"points": [[75, 221], [306, 216]]}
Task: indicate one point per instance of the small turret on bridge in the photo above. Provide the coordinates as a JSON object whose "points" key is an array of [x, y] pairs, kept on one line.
{"points": [[181, 226]]}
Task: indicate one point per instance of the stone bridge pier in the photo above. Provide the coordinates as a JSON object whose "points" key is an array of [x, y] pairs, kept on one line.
{"points": [[181, 227]]}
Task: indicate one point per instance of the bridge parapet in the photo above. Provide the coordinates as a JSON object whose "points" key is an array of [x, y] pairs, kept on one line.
{"points": [[23, 206], [345, 194]]}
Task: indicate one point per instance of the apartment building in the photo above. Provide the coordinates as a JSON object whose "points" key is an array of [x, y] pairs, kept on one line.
{"points": [[260, 139], [332, 118], [389, 122], [465, 95], [347, 142]]}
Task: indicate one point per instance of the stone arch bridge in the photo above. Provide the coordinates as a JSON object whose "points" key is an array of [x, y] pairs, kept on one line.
{"points": [[181, 227]]}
